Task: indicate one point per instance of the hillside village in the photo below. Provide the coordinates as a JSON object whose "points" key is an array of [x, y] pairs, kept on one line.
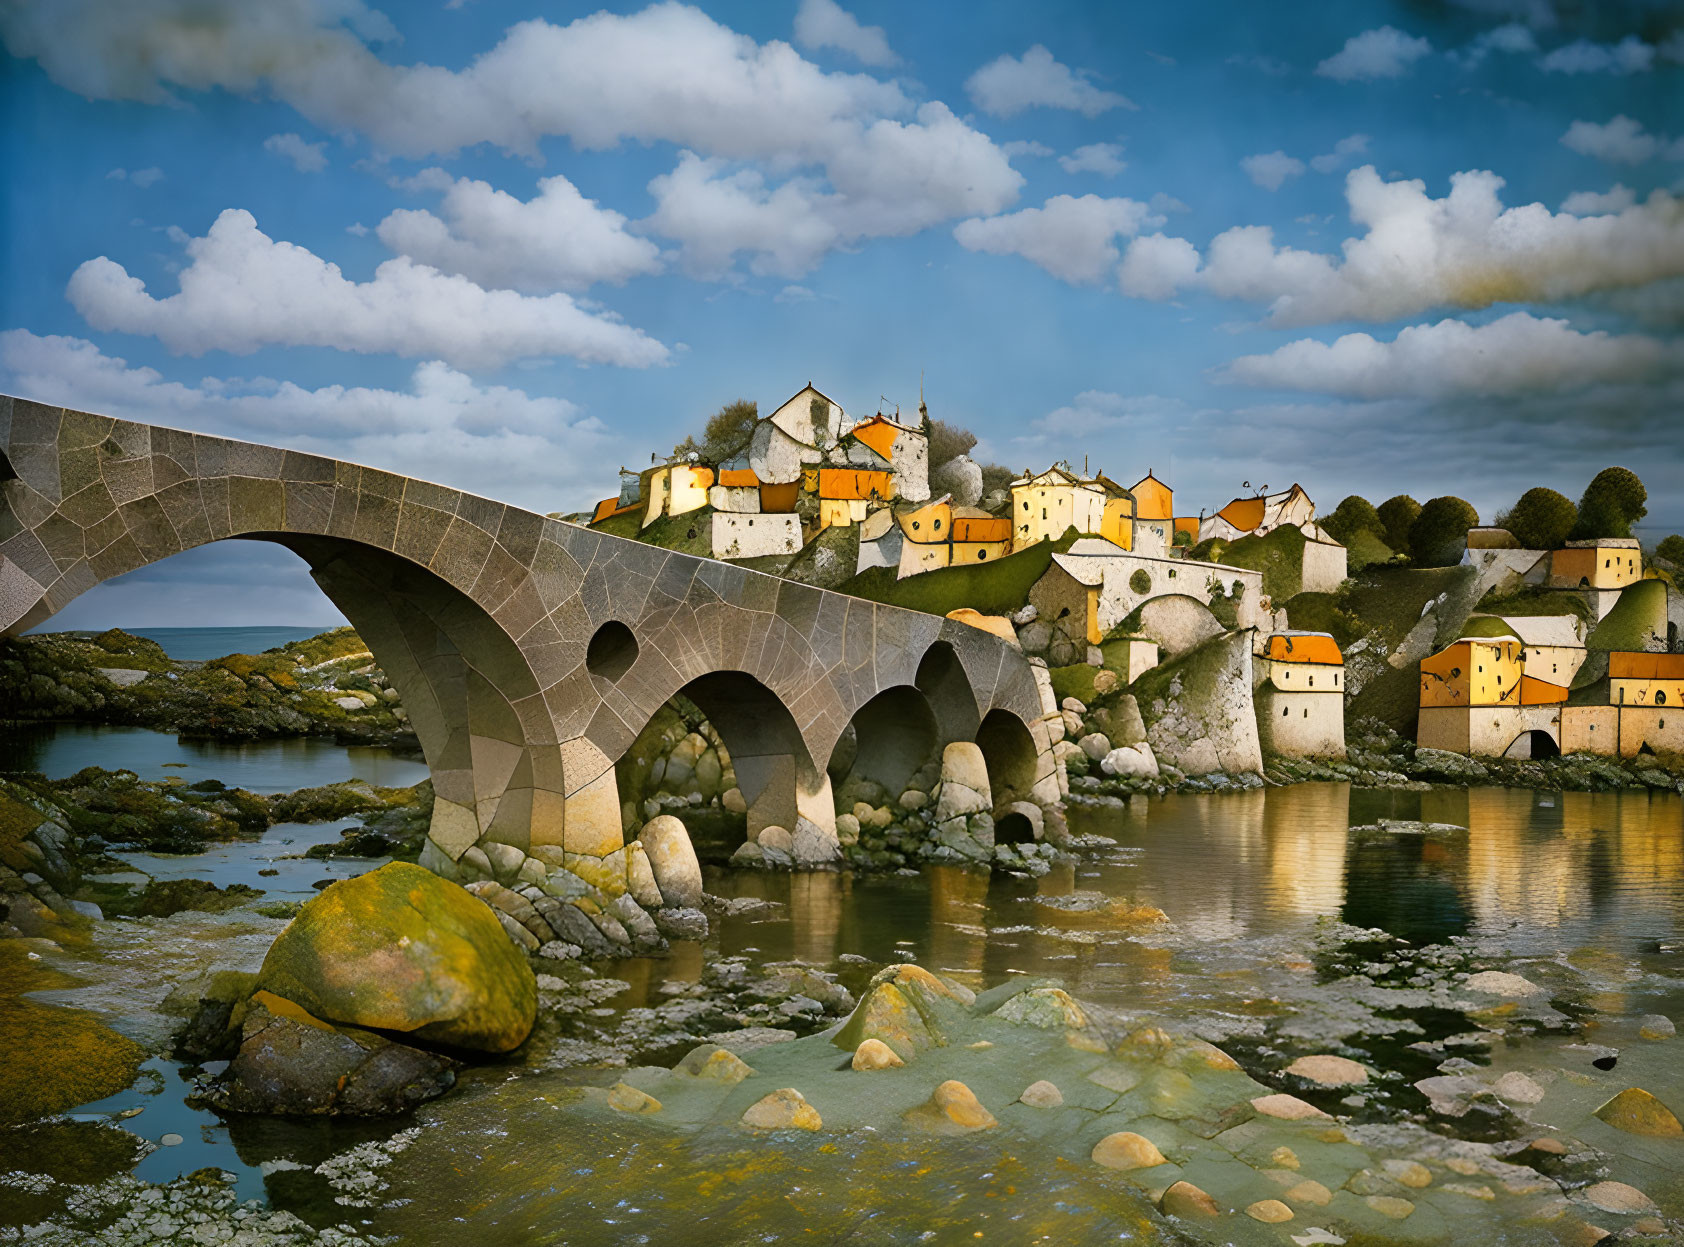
{"points": [[1218, 643]]}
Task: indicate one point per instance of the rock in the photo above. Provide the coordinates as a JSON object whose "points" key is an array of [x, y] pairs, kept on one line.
{"points": [[1517, 1088], [960, 477], [291, 1063], [775, 840], [875, 1054], [1618, 1197], [1041, 1094], [913, 799], [640, 878], [1656, 1026], [1131, 760], [1127, 1150], [715, 1064], [1269, 1211], [644, 935], [400, 949], [784, 1109], [1286, 1107], [1034, 636], [672, 860], [1310, 1191], [1499, 983], [964, 782], [952, 1109], [906, 1007], [1188, 1202], [847, 828], [748, 854], [1326, 1070], [1635, 1111], [1094, 745], [732, 800], [1046, 1007], [1411, 1173], [1453, 768], [810, 846], [1025, 615], [1127, 726], [1104, 681], [1285, 1157], [625, 1098], [680, 923], [1390, 1206]]}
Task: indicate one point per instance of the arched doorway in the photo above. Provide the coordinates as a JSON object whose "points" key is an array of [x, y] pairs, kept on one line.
{"points": [[1008, 750], [1534, 744]]}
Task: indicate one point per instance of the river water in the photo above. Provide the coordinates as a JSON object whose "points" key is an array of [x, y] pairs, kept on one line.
{"points": [[1287, 933]]}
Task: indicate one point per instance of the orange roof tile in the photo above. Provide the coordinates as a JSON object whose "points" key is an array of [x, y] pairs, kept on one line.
{"points": [[879, 433], [1631, 665], [738, 478], [1305, 647], [855, 483], [981, 528], [1536, 692], [1244, 514], [610, 507]]}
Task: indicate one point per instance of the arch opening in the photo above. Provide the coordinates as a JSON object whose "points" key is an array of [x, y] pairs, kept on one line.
{"points": [[1534, 744], [612, 650], [1013, 828], [888, 741], [947, 690], [1008, 751]]}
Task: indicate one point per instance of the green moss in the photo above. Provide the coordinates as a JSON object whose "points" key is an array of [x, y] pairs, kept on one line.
{"points": [[1534, 600], [1486, 626], [1199, 670], [56, 1058], [1324, 612], [1278, 554], [1075, 681], [1637, 621], [1364, 549], [992, 588]]}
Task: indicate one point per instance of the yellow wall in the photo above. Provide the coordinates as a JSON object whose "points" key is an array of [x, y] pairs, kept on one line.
{"points": [[1117, 523], [1044, 511], [840, 512], [1154, 500], [916, 558], [929, 523], [1601, 567], [1474, 672], [965, 552], [687, 489], [1630, 692]]}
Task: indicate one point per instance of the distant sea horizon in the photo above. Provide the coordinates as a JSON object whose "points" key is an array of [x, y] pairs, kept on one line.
{"points": [[200, 644]]}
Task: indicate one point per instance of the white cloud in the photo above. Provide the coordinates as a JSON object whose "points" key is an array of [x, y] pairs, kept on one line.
{"points": [[1156, 266], [557, 240], [305, 157], [1073, 239], [1270, 170], [1025, 147], [857, 150], [1629, 56], [243, 291], [1105, 159], [1465, 250], [1162, 204], [140, 177], [1517, 354], [1382, 53], [1513, 38], [536, 451], [1622, 140], [1007, 86], [1617, 198], [358, 230], [826, 24], [794, 294], [1344, 151]]}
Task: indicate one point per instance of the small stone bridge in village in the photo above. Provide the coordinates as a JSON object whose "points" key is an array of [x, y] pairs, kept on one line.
{"points": [[530, 652]]}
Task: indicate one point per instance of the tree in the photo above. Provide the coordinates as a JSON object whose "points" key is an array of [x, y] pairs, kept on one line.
{"points": [[1440, 533], [1612, 503], [1541, 519], [1351, 516], [1672, 550], [726, 432], [1398, 515], [948, 441]]}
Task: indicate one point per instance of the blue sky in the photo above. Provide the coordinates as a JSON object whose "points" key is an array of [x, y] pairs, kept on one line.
{"points": [[1375, 248]]}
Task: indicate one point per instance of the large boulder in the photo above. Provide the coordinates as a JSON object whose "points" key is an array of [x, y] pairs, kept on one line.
{"points": [[908, 1009], [964, 782], [961, 477], [293, 1064], [400, 949]]}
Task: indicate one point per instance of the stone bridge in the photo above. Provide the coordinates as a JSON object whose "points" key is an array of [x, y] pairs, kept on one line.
{"points": [[530, 652]]}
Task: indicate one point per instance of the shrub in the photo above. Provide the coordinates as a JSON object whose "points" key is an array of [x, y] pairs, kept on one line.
{"points": [[1398, 515], [1541, 519], [1140, 582], [1355, 514], [1672, 549], [725, 433], [948, 441], [1613, 501], [1440, 533]]}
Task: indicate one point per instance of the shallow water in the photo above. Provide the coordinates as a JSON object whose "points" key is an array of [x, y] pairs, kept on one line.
{"points": [[59, 750], [1277, 944]]}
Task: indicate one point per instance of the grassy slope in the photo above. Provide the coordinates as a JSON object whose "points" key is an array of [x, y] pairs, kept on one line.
{"points": [[1639, 615], [992, 588], [1279, 555]]}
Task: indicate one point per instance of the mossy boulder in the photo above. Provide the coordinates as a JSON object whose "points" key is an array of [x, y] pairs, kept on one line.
{"points": [[907, 1008], [400, 949]]}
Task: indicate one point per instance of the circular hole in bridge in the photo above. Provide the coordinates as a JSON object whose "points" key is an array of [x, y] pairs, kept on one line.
{"points": [[612, 651]]}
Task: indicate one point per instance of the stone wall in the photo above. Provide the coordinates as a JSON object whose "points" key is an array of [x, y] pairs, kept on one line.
{"points": [[1198, 708]]}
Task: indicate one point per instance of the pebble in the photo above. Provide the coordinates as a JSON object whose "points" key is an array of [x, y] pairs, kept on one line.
{"points": [[1271, 1211], [1310, 1191], [626, 1098], [1517, 1088], [1656, 1026], [1499, 983], [1618, 1197], [1462, 1165], [1127, 1150], [1409, 1172], [1186, 1200], [170, 1140], [952, 1109], [1042, 1094], [1390, 1206], [784, 1109], [1555, 1147], [1468, 1189], [875, 1054], [1635, 1111], [1327, 1070], [1286, 1107], [1285, 1157]]}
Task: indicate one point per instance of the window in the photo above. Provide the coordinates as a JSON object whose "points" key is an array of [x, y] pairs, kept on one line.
{"points": [[914, 525], [1312, 681], [1026, 504], [1660, 698], [936, 526], [981, 554], [1335, 679], [1306, 712], [1605, 562], [1172, 573], [1043, 513], [1285, 710]]}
